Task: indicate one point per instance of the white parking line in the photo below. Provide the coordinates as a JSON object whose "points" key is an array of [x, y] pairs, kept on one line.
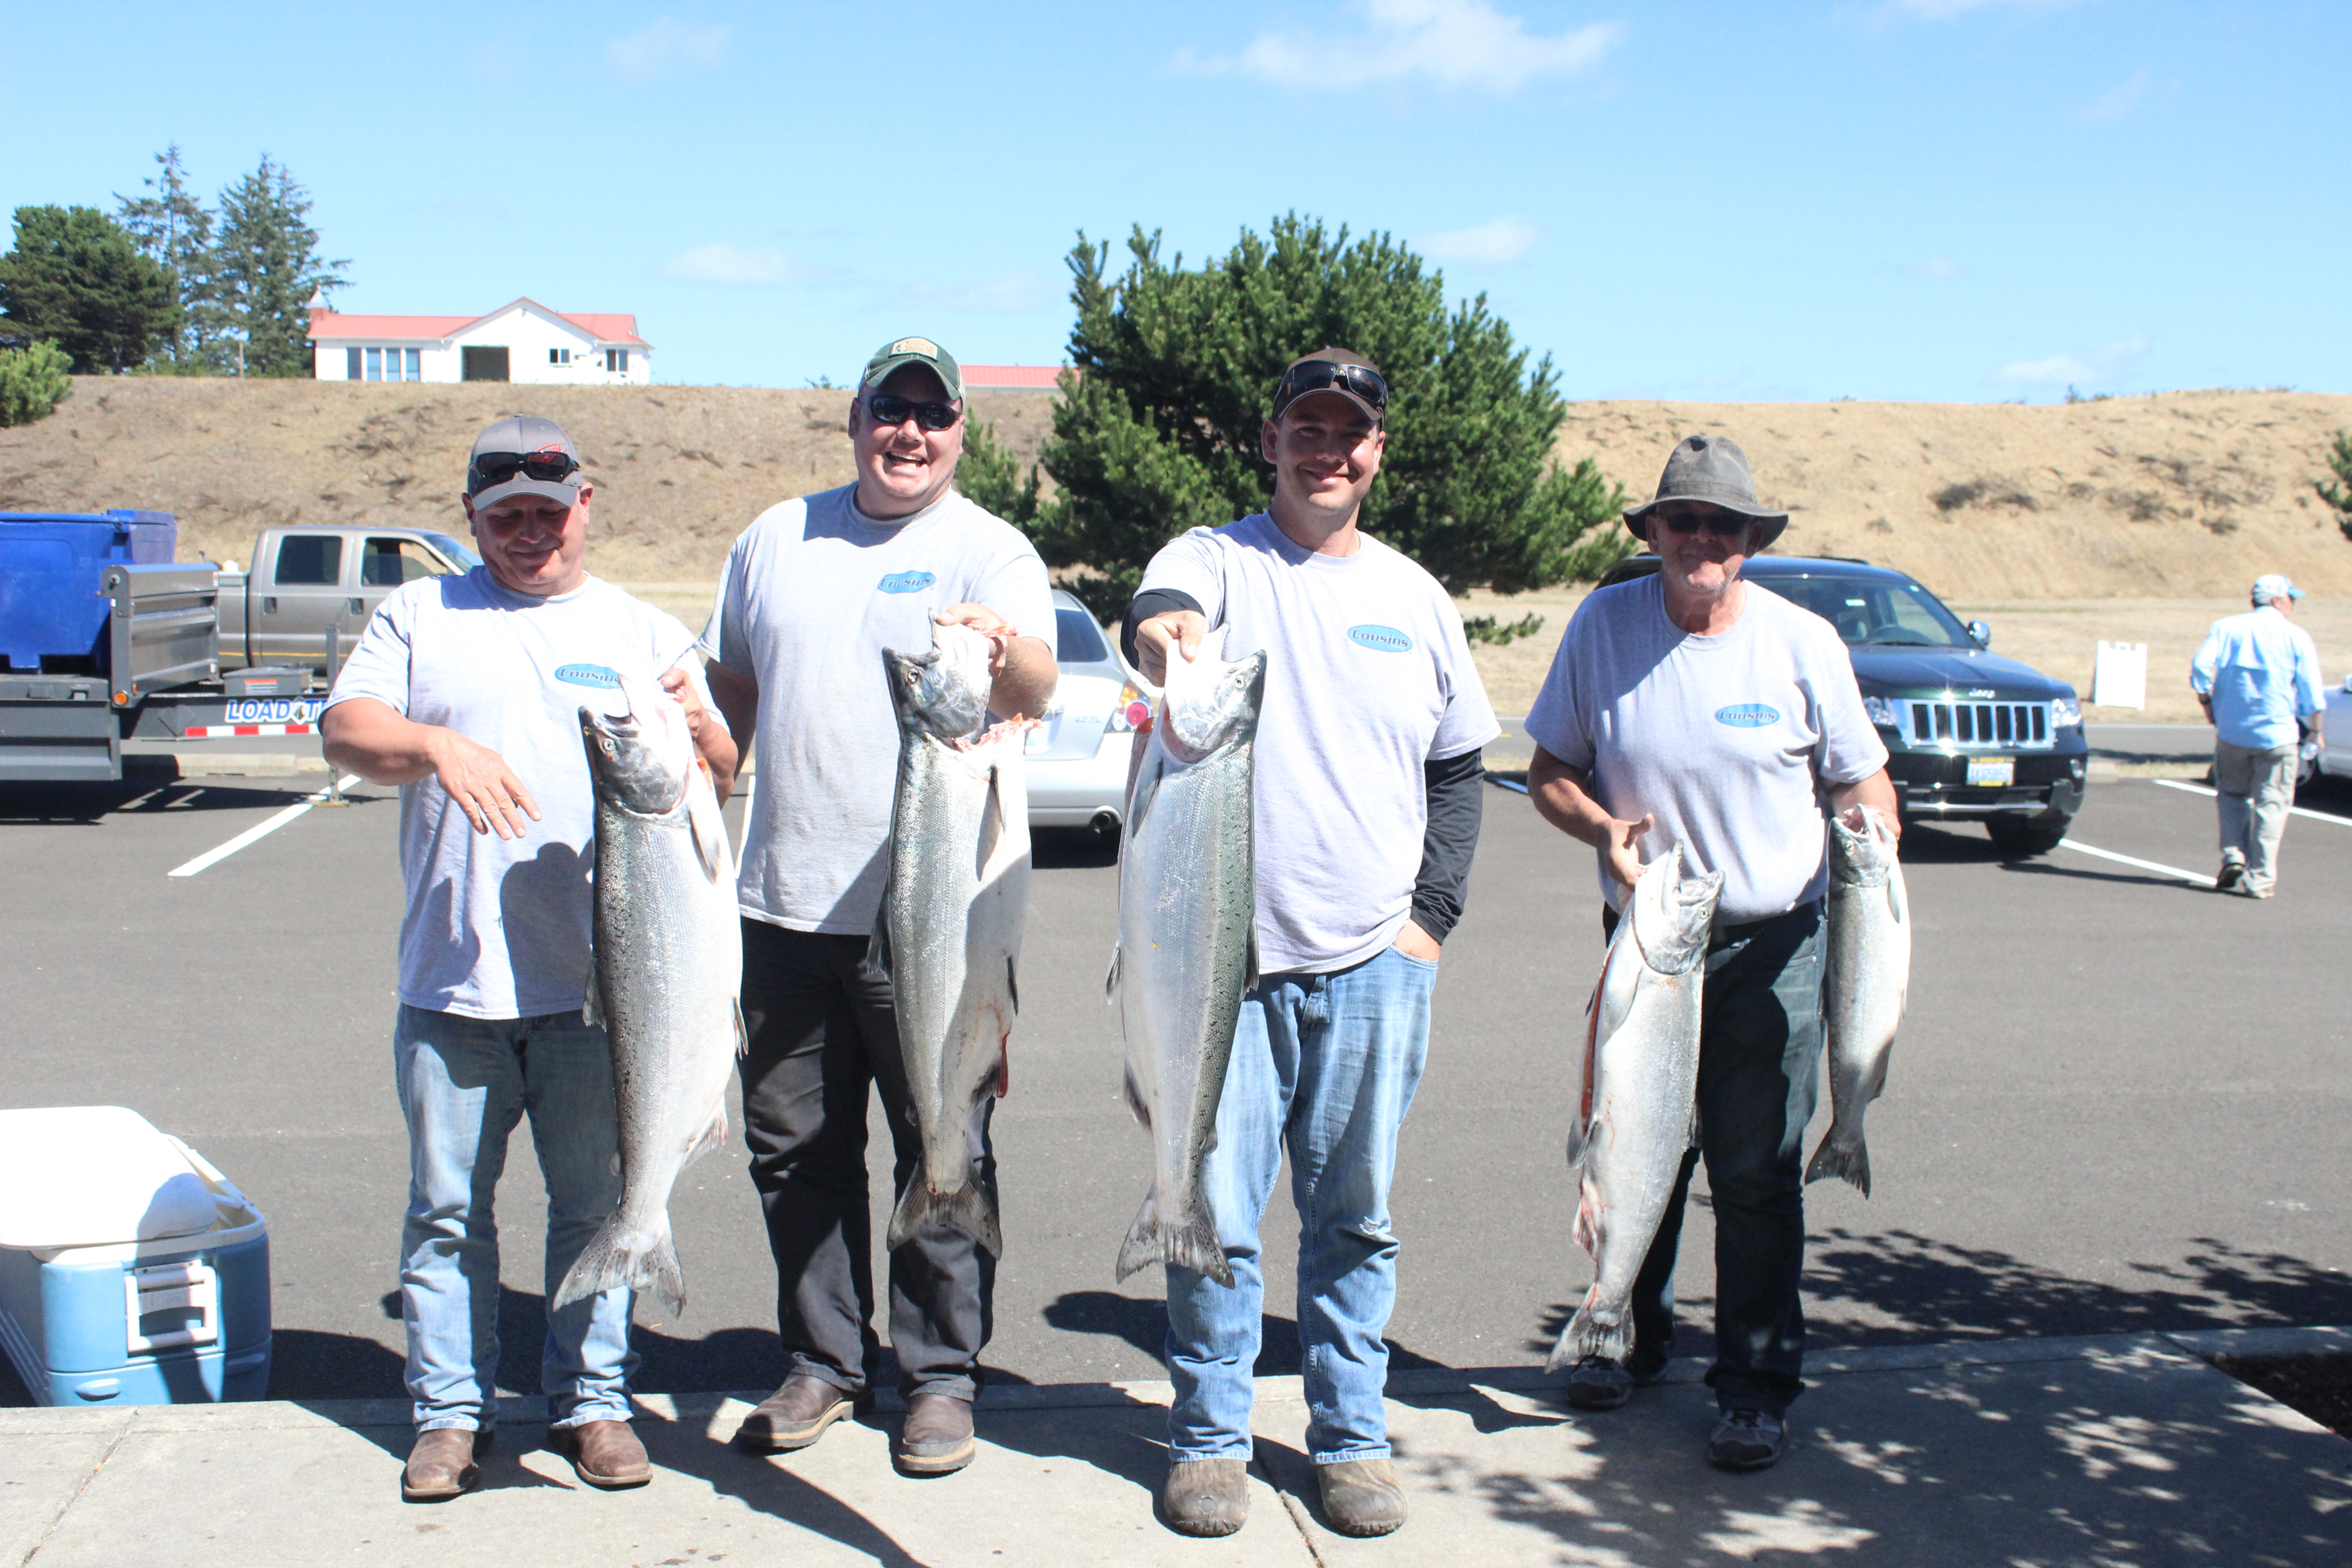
{"points": [[2080, 848], [1508, 784], [252, 834], [2299, 811]]}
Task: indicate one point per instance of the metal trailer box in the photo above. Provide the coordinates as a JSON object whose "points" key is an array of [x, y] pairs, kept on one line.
{"points": [[131, 1272], [52, 614]]}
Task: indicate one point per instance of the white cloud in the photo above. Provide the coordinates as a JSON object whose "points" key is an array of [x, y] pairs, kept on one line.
{"points": [[668, 44], [2116, 101], [1008, 293], [1938, 268], [1454, 43], [2099, 364], [1488, 243], [749, 265]]}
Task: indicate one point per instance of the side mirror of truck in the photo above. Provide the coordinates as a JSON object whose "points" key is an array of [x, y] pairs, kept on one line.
{"points": [[1980, 634]]}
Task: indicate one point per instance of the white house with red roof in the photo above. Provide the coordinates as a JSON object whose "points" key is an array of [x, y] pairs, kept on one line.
{"points": [[521, 340]]}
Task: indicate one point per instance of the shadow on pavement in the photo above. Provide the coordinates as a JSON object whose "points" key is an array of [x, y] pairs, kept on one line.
{"points": [[1143, 1323], [768, 1485]]}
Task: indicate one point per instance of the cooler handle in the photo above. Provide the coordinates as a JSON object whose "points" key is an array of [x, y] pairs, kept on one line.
{"points": [[162, 1287], [211, 1174]]}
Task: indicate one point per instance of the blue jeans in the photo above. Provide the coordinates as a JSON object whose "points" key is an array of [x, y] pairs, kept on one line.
{"points": [[464, 1083], [1324, 1066]]}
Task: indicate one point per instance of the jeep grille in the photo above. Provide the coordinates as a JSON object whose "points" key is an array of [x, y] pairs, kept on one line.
{"points": [[1972, 726]]}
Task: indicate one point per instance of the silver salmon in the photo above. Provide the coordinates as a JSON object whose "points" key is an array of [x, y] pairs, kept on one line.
{"points": [[1641, 1082], [668, 972], [1187, 942], [949, 933], [1864, 983]]}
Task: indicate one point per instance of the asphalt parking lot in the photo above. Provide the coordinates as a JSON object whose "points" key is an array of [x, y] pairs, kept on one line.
{"points": [[2119, 1101]]}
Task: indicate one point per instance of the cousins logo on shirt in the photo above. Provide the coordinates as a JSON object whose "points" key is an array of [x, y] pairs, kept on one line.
{"points": [[906, 582], [1379, 639], [1748, 715], [587, 675]]}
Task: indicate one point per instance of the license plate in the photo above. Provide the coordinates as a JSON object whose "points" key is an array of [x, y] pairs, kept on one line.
{"points": [[1997, 771]]}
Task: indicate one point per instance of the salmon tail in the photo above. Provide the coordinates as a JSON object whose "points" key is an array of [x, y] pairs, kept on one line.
{"points": [[1592, 1332], [970, 1210], [618, 1258], [1187, 1240], [1838, 1157]]}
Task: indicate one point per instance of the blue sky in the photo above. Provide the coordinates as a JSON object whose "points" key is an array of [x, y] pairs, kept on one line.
{"points": [[1954, 200]]}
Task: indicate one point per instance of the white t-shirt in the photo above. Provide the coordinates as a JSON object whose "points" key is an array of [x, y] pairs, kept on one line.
{"points": [[499, 928], [814, 590], [1368, 677], [1728, 738]]}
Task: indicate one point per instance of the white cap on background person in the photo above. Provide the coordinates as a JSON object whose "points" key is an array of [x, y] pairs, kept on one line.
{"points": [[2274, 586]]}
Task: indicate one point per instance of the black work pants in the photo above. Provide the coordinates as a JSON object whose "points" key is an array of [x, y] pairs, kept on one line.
{"points": [[822, 1027]]}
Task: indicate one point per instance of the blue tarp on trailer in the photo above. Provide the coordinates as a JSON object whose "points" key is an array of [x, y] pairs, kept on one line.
{"points": [[52, 615]]}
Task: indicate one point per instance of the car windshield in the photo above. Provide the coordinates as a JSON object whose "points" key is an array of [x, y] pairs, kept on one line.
{"points": [[1878, 612], [462, 554], [1076, 639]]}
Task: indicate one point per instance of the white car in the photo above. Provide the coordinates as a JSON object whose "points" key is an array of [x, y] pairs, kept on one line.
{"points": [[2336, 736], [1078, 756]]}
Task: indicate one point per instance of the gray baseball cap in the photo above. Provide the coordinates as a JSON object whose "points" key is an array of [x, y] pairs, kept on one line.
{"points": [[1712, 469], [526, 442], [899, 352]]}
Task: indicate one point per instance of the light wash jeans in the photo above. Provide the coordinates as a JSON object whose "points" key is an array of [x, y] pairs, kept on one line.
{"points": [[1324, 1066], [2254, 789], [464, 1083]]}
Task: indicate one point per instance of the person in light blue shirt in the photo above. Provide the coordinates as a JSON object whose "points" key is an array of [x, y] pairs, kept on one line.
{"points": [[2256, 674]]}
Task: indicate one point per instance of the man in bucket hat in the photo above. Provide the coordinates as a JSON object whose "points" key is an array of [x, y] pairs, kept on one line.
{"points": [[1692, 707], [466, 691], [2255, 675]]}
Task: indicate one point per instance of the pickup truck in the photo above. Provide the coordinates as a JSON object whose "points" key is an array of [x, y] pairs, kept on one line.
{"points": [[303, 579]]}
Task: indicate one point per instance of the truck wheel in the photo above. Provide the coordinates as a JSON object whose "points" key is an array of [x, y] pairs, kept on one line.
{"points": [[2020, 836]]}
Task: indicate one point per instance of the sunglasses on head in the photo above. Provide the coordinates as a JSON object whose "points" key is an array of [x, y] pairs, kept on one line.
{"points": [[1722, 524], [497, 468], [1325, 375], [890, 410]]}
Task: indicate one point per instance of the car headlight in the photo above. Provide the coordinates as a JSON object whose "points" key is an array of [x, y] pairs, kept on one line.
{"points": [[1133, 712], [2065, 711], [1882, 711]]}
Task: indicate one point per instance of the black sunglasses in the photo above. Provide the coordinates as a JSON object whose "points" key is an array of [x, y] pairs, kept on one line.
{"points": [[1722, 524], [890, 410], [1324, 375], [497, 468]]}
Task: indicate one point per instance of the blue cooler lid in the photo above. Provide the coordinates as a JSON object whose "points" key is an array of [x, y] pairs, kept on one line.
{"points": [[87, 1175]]}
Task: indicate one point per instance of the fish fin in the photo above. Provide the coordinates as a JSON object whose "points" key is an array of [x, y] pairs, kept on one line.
{"points": [[1838, 1158], [970, 1210], [1250, 972], [1592, 1332], [1697, 1128], [1139, 797], [1004, 1067], [1136, 1104], [1589, 1225], [714, 1135], [707, 829], [992, 823], [1580, 1141], [1186, 1241], [617, 1258], [742, 1035], [592, 1005], [1110, 980], [877, 947], [1012, 981]]}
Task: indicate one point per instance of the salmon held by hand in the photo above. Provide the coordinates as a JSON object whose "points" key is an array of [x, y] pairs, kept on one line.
{"points": [[664, 980], [1187, 942], [1640, 1084], [948, 936], [1867, 979]]}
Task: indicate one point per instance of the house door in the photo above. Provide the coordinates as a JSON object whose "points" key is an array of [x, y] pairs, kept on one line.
{"points": [[484, 364]]}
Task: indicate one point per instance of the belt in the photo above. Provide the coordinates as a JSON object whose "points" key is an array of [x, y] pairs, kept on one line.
{"points": [[1722, 936]]}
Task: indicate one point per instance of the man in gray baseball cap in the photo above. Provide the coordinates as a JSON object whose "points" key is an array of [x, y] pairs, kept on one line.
{"points": [[2257, 675], [1690, 707], [466, 691]]}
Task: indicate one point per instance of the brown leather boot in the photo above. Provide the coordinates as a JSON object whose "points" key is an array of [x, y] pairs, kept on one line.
{"points": [[603, 1454], [442, 1464], [937, 1440], [1361, 1497], [795, 1415], [1204, 1497]]}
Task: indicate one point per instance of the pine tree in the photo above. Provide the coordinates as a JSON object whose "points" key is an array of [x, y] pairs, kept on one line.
{"points": [[1157, 427], [76, 278], [174, 228], [2335, 493], [265, 270]]}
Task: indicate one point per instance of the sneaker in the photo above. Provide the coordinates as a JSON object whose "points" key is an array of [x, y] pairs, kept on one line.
{"points": [[1747, 1440], [1361, 1497], [1204, 1497], [2231, 869], [937, 1440], [1600, 1382], [795, 1415]]}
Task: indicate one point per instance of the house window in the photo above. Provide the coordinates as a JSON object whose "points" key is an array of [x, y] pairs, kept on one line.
{"points": [[618, 361], [416, 364], [375, 364], [558, 356], [350, 364]]}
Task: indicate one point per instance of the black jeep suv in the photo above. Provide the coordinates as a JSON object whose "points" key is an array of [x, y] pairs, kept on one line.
{"points": [[1969, 734]]}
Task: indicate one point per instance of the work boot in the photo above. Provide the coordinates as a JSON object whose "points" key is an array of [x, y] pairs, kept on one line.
{"points": [[2232, 868], [1746, 1439], [603, 1454], [795, 1415], [1361, 1497], [1204, 1497], [442, 1464], [937, 1439], [1598, 1383]]}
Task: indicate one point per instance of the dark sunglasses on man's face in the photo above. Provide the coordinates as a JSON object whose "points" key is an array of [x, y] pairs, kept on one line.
{"points": [[1722, 524], [889, 411], [497, 468], [1322, 375]]}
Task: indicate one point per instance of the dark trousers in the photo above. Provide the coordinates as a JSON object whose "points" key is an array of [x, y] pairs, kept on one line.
{"points": [[1759, 1074], [822, 1027]]}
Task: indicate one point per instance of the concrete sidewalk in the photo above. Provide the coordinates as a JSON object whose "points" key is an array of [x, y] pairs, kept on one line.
{"points": [[2108, 1451]]}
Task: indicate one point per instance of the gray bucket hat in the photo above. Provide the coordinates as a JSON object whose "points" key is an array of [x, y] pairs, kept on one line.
{"points": [[1713, 469]]}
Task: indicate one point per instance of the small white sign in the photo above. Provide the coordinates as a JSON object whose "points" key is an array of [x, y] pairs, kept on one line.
{"points": [[2120, 677]]}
